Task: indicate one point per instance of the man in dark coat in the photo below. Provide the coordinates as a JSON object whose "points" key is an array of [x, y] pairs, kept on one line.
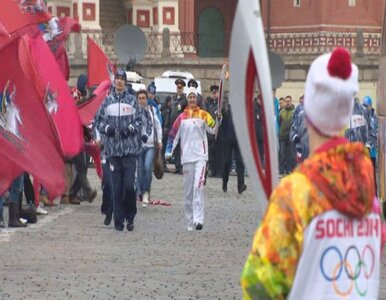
{"points": [[230, 147], [179, 103], [166, 111], [214, 145], [258, 117], [287, 152], [298, 132]]}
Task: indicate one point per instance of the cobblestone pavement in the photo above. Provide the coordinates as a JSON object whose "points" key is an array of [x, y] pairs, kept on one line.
{"points": [[70, 254]]}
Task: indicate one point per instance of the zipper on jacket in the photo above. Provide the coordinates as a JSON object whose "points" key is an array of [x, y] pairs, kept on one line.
{"points": [[119, 124]]}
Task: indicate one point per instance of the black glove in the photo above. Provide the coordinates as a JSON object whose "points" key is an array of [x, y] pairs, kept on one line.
{"points": [[144, 138], [132, 129], [296, 139], [110, 130], [129, 130]]}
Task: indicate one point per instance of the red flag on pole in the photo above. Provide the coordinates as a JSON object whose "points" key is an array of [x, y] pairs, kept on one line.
{"points": [[28, 139], [88, 109], [99, 67], [65, 26], [16, 14], [51, 86]]}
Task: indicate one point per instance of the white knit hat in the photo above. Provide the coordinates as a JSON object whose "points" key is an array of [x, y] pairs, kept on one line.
{"points": [[191, 90], [331, 84]]}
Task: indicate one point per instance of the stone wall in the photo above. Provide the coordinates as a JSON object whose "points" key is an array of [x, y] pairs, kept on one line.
{"points": [[113, 14]]}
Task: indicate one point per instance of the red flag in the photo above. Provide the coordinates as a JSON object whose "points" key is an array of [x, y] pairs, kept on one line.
{"points": [[99, 67], [60, 54], [5, 37], [9, 169], [93, 150], [16, 14], [65, 25], [51, 86], [88, 109], [28, 139]]}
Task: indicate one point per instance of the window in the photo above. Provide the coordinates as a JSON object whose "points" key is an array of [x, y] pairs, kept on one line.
{"points": [[296, 3], [351, 2]]}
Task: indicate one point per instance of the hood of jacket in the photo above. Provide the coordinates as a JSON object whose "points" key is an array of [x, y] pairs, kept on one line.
{"points": [[343, 172]]}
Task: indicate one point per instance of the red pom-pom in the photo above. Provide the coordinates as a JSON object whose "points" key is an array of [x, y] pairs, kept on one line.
{"points": [[339, 64]]}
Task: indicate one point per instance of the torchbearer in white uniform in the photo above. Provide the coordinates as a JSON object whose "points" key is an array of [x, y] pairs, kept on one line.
{"points": [[321, 234], [191, 127]]}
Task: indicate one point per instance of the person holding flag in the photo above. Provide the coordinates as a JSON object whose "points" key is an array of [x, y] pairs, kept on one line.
{"points": [[320, 237], [191, 127]]}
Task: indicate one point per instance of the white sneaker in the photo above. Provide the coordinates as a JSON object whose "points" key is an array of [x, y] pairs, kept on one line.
{"points": [[145, 199], [190, 227], [23, 220], [41, 211]]}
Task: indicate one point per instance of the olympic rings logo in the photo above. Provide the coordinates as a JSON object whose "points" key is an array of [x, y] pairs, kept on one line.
{"points": [[355, 265]]}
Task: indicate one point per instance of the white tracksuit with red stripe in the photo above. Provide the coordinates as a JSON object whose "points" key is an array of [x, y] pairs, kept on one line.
{"points": [[190, 128]]}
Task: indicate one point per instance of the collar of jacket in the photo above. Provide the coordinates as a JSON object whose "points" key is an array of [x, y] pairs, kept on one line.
{"points": [[332, 143], [193, 109], [117, 95]]}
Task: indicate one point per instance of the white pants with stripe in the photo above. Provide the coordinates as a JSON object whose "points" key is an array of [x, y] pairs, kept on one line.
{"points": [[194, 178]]}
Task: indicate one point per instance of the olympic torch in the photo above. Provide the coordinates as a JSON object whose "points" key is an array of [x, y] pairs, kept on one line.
{"points": [[250, 71]]}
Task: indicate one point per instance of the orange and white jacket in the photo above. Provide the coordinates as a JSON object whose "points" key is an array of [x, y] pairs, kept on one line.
{"points": [[321, 235], [191, 127]]}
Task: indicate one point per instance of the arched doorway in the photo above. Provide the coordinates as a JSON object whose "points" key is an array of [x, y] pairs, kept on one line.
{"points": [[211, 33]]}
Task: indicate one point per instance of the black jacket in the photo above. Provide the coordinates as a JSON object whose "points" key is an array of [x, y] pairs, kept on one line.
{"points": [[178, 106]]}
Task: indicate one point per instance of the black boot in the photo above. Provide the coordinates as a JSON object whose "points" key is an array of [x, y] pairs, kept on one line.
{"points": [[28, 212], [108, 219], [224, 186], [13, 219], [241, 188]]}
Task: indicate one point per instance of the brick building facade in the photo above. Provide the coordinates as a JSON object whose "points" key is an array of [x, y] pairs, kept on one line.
{"points": [[310, 16]]}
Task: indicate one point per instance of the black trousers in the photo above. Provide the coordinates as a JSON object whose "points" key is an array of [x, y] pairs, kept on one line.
{"points": [[177, 157], [229, 148], [123, 179], [287, 161], [260, 144], [107, 199], [28, 189], [81, 180], [215, 157], [164, 142]]}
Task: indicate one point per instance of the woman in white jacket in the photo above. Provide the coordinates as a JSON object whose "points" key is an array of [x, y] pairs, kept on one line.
{"points": [[145, 164], [191, 127]]}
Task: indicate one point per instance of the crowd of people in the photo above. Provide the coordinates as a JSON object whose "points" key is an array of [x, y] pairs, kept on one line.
{"points": [[129, 142], [323, 232], [293, 133], [130, 128], [331, 132]]}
